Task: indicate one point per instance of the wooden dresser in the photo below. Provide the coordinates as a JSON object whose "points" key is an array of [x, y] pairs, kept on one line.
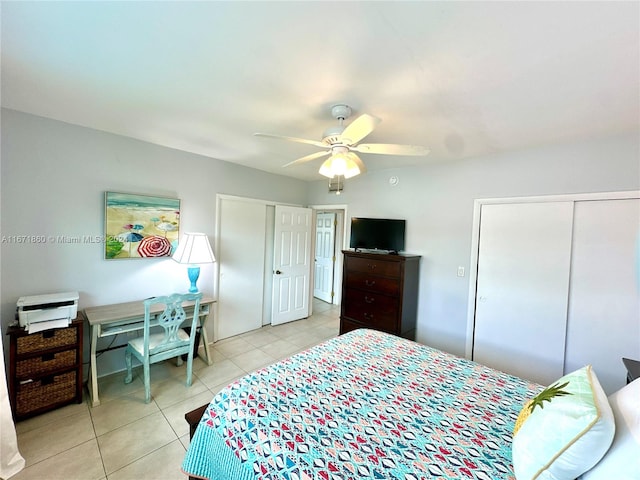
{"points": [[380, 291], [45, 368]]}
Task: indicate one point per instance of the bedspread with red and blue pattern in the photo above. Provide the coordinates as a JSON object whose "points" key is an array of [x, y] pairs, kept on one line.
{"points": [[362, 405]]}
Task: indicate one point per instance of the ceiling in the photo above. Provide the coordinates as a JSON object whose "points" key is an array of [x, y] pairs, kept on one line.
{"points": [[465, 79]]}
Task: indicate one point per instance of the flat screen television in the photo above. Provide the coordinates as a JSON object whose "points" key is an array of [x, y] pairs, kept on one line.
{"points": [[377, 234]]}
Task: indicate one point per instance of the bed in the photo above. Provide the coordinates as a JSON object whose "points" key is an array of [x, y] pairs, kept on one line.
{"points": [[362, 405]]}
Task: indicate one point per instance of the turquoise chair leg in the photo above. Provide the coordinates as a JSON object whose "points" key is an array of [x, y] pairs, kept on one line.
{"points": [[147, 383], [189, 367], [127, 361]]}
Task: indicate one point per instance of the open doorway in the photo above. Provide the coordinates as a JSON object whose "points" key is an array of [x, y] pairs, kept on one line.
{"points": [[330, 240], [324, 256]]}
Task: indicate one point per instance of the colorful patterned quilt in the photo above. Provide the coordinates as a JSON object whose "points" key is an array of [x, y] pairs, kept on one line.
{"points": [[362, 405]]}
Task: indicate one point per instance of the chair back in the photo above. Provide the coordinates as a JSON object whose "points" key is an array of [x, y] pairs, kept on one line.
{"points": [[171, 320]]}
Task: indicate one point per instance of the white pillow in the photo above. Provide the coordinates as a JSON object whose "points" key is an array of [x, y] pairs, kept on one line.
{"points": [[568, 434], [622, 461]]}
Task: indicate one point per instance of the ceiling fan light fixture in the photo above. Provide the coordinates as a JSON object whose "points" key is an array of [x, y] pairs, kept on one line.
{"points": [[352, 170], [339, 165], [325, 169]]}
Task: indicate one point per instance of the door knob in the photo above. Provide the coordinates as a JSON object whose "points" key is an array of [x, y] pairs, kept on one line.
{"points": [[278, 272]]}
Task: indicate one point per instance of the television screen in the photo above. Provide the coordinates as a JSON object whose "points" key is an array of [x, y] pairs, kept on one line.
{"points": [[377, 234]]}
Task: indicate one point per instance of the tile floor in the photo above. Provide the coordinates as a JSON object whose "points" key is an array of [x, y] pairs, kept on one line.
{"points": [[124, 438]]}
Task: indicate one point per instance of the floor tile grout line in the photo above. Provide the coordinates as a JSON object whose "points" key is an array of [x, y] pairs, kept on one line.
{"points": [[95, 436], [129, 424], [145, 455]]}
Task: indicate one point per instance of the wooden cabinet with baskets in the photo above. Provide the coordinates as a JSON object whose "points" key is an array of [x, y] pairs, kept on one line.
{"points": [[45, 369], [381, 292]]}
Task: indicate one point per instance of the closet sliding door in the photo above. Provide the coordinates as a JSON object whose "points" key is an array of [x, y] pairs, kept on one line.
{"points": [[557, 285], [522, 286], [604, 300], [241, 263]]}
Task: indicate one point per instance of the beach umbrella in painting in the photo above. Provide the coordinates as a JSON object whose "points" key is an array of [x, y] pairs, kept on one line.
{"points": [[129, 237], [167, 226], [154, 246]]}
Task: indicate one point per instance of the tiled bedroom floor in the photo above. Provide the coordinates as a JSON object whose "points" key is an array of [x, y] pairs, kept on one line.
{"points": [[124, 438]]}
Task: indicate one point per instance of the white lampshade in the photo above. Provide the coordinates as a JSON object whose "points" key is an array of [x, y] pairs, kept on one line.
{"points": [[194, 248], [339, 164]]}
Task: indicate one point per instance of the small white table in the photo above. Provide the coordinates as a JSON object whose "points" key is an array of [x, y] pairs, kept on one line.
{"points": [[107, 320]]}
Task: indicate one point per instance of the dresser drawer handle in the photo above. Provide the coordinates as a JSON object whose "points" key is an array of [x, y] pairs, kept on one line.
{"points": [[369, 283], [372, 266], [368, 316], [369, 299]]}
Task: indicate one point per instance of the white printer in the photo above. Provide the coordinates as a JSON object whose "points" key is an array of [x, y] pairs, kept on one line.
{"points": [[42, 312]]}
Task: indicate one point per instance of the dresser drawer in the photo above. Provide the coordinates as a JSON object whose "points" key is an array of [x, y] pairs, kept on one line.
{"points": [[47, 362], [373, 283], [348, 325], [45, 392], [377, 267], [379, 311], [57, 337]]}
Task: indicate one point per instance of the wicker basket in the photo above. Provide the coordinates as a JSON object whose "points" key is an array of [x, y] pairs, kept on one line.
{"points": [[58, 337], [45, 363], [45, 392]]}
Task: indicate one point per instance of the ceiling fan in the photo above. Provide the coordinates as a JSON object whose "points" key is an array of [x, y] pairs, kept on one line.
{"points": [[341, 142]]}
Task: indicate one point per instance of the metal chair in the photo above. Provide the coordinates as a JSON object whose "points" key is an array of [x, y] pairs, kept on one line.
{"points": [[170, 343]]}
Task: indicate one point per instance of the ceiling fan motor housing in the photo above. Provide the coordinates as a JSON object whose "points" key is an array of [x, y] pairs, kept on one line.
{"points": [[332, 135]]}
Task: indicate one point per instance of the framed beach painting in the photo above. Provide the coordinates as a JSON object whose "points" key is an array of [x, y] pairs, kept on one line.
{"points": [[140, 226]]}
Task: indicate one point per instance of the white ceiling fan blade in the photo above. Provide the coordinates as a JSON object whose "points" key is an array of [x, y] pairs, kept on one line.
{"points": [[292, 139], [359, 128], [308, 158], [391, 149]]}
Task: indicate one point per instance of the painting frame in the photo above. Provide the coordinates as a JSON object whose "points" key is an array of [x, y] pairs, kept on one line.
{"points": [[139, 226]]}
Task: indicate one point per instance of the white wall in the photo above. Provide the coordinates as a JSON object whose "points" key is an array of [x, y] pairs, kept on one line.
{"points": [[437, 202], [53, 180]]}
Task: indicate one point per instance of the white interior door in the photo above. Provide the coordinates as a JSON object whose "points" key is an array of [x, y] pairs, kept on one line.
{"points": [[522, 288], [324, 256], [291, 264], [241, 262], [604, 301]]}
